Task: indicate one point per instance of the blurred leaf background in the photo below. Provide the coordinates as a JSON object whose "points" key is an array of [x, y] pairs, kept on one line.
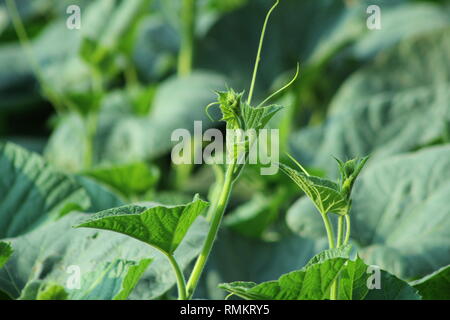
{"points": [[99, 105]]}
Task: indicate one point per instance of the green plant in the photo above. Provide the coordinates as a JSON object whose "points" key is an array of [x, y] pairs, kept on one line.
{"points": [[330, 197], [330, 274]]}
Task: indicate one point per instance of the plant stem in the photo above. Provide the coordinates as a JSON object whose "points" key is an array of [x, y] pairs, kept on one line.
{"points": [[348, 228], [258, 55], [340, 231], [186, 54], [212, 234], [219, 174], [181, 282], [340, 236], [329, 228]]}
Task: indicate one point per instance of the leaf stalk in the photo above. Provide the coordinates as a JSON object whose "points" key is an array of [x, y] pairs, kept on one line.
{"points": [[212, 234], [181, 282]]}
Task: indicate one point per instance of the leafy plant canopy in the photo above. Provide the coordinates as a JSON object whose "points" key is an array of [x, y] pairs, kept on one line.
{"points": [[355, 96]]}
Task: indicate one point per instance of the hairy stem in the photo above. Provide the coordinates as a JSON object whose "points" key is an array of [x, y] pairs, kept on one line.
{"points": [[331, 244], [258, 55], [212, 234], [329, 228], [186, 54], [181, 282]]}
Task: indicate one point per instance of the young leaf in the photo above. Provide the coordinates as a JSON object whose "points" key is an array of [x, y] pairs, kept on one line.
{"points": [[258, 117], [325, 194], [399, 203], [162, 227], [435, 286], [349, 172], [5, 252], [341, 252]]}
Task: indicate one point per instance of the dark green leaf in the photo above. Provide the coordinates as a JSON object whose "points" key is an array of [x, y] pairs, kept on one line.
{"points": [[435, 286], [163, 227], [400, 213]]}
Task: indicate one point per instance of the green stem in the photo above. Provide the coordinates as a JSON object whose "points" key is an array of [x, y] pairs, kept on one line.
{"points": [[186, 55], [91, 130], [215, 192], [258, 55], [348, 228], [340, 231], [340, 236], [212, 234], [181, 282], [329, 228]]}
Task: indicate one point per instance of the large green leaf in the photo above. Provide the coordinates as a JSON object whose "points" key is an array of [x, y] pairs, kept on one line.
{"points": [[162, 227], [49, 252], [355, 277], [129, 179], [435, 286], [33, 192], [291, 19], [112, 281], [387, 107], [400, 213]]}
